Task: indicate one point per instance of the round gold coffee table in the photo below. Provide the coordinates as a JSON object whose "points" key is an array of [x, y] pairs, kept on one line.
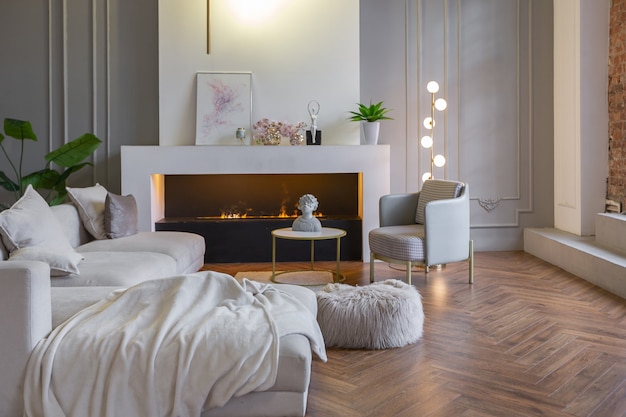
{"points": [[325, 234]]}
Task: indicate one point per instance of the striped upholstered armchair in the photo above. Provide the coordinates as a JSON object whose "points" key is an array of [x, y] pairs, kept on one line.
{"points": [[427, 228]]}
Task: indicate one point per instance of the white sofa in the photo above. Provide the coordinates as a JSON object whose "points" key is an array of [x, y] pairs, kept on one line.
{"points": [[32, 303]]}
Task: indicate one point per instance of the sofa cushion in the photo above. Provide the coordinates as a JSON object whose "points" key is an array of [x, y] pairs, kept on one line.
{"points": [[402, 243], [67, 301], [295, 351], [120, 216], [118, 269], [433, 190], [62, 261], [187, 249], [30, 222], [90, 204], [303, 294]]}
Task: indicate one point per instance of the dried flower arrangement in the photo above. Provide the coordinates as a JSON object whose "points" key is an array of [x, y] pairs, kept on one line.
{"points": [[271, 132]]}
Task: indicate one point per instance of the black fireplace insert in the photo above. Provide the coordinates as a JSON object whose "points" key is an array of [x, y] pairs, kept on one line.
{"points": [[235, 213]]}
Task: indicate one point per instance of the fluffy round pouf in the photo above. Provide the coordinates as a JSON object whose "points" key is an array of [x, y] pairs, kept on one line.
{"points": [[381, 315]]}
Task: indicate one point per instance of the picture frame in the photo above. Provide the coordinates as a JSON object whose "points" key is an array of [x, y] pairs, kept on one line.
{"points": [[223, 104]]}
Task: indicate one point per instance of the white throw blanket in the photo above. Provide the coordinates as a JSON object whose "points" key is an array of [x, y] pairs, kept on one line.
{"points": [[171, 347]]}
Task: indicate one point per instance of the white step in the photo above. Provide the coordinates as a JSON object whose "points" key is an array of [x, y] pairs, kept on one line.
{"points": [[611, 231], [582, 256]]}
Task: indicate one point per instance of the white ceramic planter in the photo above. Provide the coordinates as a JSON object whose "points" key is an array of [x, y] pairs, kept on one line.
{"points": [[370, 132]]}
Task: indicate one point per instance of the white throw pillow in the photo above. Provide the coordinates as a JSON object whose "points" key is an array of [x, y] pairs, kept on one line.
{"points": [[61, 261], [30, 222], [90, 204]]}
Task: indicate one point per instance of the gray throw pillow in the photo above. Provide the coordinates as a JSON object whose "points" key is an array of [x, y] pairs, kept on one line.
{"points": [[120, 215], [434, 190]]}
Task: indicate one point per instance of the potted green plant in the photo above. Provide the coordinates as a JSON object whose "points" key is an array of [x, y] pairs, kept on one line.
{"points": [[370, 117], [69, 156]]}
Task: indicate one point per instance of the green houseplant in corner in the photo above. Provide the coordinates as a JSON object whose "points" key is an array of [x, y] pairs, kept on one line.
{"points": [[69, 156], [370, 117]]}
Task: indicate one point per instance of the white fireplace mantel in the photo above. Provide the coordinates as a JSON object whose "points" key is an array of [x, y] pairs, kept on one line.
{"points": [[144, 167]]}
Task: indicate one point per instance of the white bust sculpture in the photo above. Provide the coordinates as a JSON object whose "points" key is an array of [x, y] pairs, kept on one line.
{"points": [[307, 222]]}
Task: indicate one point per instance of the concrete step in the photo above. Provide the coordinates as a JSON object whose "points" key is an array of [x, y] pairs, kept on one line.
{"points": [[611, 231], [582, 256]]}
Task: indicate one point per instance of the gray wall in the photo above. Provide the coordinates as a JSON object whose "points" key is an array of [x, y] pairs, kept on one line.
{"points": [[75, 66], [493, 62], [492, 58]]}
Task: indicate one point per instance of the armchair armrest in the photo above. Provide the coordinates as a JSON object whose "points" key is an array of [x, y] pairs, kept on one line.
{"points": [[25, 318], [397, 209], [447, 229]]}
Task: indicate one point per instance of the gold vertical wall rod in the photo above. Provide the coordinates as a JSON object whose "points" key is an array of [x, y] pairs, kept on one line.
{"points": [[208, 26]]}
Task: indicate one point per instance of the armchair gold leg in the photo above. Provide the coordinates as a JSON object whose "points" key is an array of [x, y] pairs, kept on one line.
{"points": [[408, 272], [372, 258], [471, 262]]}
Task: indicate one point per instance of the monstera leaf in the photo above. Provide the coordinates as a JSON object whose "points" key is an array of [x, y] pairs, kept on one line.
{"points": [[69, 156], [75, 151]]}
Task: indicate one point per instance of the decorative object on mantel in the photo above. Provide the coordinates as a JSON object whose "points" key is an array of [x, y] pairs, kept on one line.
{"points": [[241, 135], [427, 141], [306, 222], [370, 117], [297, 138], [271, 132], [489, 204], [223, 103], [317, 140], [314, 136]]}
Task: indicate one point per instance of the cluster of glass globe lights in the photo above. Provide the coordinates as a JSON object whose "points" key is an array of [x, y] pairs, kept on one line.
{"points": [[429, 123]]}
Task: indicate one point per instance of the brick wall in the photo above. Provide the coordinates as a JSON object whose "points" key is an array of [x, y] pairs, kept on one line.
{"points": [[616, 189]]}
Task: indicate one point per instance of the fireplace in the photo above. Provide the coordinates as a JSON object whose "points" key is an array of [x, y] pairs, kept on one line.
{"points": [[235, 213], [144, 169]]}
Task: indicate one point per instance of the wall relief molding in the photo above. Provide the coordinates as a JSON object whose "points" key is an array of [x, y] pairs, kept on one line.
{"points": [[489, 204]]}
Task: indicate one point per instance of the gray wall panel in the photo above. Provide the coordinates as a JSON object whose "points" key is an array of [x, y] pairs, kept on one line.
{"points": [[492, 60], [83, 66]]}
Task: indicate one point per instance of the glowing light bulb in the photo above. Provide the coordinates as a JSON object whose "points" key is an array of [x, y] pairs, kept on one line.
{"points": [[429, 123], [427, 142], [441, 104], [254, 10], [432, 87], [426, 176], [439, 161]]}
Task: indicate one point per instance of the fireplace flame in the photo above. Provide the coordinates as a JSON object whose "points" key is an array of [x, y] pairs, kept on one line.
{"points": [[281, 215], [235, 211], [243, 215], [283, 210], [234, 215]]}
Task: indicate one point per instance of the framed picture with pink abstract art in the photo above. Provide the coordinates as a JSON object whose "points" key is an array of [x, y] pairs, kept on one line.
{"points": [[223, 105]]}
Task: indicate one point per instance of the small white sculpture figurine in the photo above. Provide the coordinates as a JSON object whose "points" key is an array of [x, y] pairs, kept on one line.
{"points": [[307, 222], [314, 109]]}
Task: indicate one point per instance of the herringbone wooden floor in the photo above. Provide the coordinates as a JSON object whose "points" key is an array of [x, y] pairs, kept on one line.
{"points": [[527, 339]]}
